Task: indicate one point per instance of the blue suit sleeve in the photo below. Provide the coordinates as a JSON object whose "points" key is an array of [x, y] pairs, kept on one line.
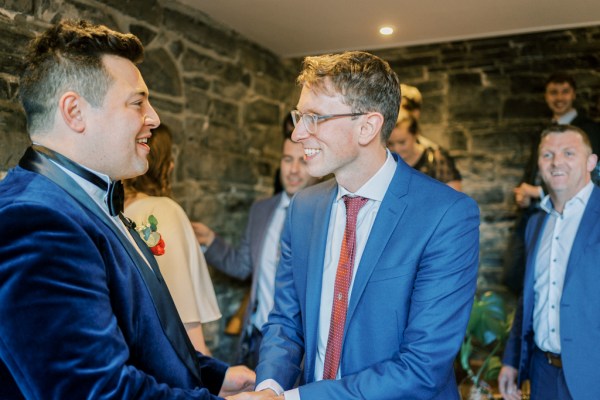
{"points": [[512, 350], [235, 262], [283, 332]]}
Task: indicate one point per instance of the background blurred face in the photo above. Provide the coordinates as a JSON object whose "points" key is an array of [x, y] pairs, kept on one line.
{"points": [[118, 130], [294, 173], [560, 98], [402, 141], [565, 164]]}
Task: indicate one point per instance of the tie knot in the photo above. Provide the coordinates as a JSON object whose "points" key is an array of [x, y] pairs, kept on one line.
{"points": [[353, 205]]}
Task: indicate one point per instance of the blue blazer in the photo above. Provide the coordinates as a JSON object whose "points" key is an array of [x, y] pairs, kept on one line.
{"points": [[409, 305], [244, 260], [82, 315], [579, 306]]}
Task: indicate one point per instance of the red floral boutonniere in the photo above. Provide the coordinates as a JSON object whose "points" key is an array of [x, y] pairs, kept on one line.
{"points": [[151, 237]]}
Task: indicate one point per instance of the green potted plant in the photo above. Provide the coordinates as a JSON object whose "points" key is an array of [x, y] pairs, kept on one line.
{"points": [[488, 329]]}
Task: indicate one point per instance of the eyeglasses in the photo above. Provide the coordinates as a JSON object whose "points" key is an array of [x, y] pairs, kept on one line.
{"points": [[310, 121]]}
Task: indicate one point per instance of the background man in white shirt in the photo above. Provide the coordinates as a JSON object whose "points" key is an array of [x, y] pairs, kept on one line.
{"points": [[556, 329]]}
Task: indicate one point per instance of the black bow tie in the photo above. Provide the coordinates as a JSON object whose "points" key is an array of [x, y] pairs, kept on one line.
{"points": [[115, 195]]}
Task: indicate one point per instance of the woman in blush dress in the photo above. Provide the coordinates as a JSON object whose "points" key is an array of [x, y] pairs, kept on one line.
{"points": [[149, 204]]}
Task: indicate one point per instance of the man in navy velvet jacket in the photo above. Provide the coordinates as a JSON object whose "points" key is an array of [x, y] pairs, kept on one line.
{"points": [[84, 310]]}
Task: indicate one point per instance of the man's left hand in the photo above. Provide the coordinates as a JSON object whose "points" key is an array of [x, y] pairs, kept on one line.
{"points": [[237, 379]]}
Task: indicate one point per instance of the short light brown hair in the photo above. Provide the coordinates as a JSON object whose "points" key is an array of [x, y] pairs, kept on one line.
{"points": [[366, 82]]}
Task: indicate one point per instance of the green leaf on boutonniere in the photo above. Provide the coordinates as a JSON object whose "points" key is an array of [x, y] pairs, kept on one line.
{"points": [[148, 233], [153, 222]]}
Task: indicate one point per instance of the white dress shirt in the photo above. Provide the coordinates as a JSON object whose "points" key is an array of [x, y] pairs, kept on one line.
{"points": [[99, 197], [374, 190], [551, 265], [269, 258], [567, 117]]}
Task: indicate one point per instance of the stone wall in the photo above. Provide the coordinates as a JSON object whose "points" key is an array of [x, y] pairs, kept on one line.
{"points": [[224, 97]]}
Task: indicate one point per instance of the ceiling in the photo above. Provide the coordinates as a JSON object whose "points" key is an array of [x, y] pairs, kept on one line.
{"points": [[292, 28]]}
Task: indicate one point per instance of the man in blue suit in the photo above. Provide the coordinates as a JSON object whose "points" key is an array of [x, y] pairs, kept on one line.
{"points": [[84, 310], [400, 294], [555, 334]]}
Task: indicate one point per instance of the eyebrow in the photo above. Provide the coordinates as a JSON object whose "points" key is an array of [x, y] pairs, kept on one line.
{"points": [[141, 92]]}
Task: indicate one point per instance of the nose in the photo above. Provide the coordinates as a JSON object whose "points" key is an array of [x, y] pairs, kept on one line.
{"points": [[557, 159], [299, 133], [295, 167], [151, 118]]}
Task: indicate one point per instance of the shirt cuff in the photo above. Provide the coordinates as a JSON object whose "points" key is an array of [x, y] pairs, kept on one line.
{"points": [[270, 384], [293, 394]]}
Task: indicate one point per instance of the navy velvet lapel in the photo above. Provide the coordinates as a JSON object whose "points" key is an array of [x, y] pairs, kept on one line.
{"points": [[163, 302]]}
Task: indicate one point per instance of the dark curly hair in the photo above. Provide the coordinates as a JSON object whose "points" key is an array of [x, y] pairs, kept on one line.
{"points": [[68, 56]]}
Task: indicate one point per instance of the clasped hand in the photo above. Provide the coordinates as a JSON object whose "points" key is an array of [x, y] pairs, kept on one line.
{"points": [[239, 383], [263, 394]]}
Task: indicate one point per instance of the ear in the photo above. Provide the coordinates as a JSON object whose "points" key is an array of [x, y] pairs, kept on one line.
{"points": [[591, 162], [371, 129], [71, 107]]}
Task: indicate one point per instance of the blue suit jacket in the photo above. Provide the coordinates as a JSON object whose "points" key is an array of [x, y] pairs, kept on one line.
{"points": [[82, 315], [244, 260], [409, 305], [579, 306]]}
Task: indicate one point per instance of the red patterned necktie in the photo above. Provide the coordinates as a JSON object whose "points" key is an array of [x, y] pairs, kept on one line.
{"points": [[343, 277]]}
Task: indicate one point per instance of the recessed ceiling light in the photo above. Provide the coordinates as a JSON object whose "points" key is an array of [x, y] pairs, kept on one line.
{"points": [[386, 30]]}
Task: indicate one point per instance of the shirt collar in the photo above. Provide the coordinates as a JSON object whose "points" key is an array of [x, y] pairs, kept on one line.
{"points": [[284, 202], [374, 188], [582, 197], [91, 189], [566, 118]]}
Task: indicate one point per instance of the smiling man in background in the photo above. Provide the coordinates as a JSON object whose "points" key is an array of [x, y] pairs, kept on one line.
{"points": [[556, 329]]}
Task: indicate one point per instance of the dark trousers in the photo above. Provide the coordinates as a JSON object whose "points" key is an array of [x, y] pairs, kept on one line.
{"points": [[547, 381]]}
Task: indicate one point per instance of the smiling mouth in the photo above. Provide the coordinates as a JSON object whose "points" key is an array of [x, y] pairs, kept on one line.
{"points": [[311, 152], [144, 141]]}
